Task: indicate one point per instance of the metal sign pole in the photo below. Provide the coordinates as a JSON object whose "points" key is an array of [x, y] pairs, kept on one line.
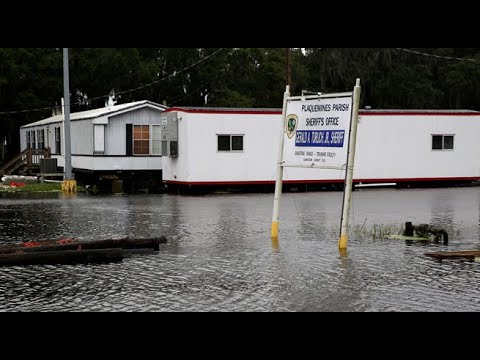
{"points": [[279, 179], [343, 242]]}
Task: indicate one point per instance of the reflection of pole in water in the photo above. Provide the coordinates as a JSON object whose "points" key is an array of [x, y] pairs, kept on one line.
{"points": [[275, 244], [68, 195]]}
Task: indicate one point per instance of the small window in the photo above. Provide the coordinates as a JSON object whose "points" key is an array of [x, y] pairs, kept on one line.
{"points": [[58, 141], [230, 142], [223, 142], [28, 140], [141, 140], [34, 142], [156, 140], [237, 143], [448, 142], [41, 139], [442, 142]]}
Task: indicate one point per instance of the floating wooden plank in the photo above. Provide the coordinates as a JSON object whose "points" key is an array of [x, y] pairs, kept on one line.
{"points": [[408, 238], [126, 243], [471, 255], [66, 257]]}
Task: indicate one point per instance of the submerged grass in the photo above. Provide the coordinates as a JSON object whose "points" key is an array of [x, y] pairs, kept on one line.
{"points": [[375, 231], [382, 231]]}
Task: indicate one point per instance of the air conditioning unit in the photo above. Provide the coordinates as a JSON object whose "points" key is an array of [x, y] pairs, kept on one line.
{"points": [[48, 166]]}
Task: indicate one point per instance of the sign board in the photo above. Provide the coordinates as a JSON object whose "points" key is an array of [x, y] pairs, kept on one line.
{"points": [[317, 132]]}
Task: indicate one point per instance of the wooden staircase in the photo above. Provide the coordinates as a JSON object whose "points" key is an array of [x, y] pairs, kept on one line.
{"points": [[24, 161]]}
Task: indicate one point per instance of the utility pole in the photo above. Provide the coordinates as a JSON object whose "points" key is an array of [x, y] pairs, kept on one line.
{"points": [[68, 185], [66, 113], [289, 67]]}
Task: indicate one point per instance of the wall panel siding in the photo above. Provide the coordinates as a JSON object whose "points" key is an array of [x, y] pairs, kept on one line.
{"points": [[103, 163], [115, 132]]}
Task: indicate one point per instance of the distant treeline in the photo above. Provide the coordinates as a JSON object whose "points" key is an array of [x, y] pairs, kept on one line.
{"points": [[433, 78]]}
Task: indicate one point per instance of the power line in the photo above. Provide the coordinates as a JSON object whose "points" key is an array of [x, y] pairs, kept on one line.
{"points": [[189, 94], [436, 56], [175, 73], [24, 111]]}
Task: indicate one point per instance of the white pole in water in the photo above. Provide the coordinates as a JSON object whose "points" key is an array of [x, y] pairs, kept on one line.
{"points": [[279, 179], [343, 242]]}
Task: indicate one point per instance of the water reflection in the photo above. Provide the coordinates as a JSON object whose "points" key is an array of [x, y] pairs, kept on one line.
{"points": [[220, 256]]}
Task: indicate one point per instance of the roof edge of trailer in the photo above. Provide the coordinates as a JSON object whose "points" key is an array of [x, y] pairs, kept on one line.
{"points": [[274, 111], [418, 112], [223, 110], [96, 113]]}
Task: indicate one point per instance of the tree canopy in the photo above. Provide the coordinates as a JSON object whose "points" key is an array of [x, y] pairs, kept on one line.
{"points": [[32, 78]]}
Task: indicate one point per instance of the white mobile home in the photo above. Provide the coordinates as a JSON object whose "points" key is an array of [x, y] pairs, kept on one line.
{"points": [[120, 138], [215, 147]]}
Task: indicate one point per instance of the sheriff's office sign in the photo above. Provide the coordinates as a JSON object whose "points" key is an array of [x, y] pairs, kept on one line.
{"points": [[317, 132]]}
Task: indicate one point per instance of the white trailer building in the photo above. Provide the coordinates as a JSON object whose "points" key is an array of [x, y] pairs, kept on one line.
{"points": [[239, 147], [121, 139]]}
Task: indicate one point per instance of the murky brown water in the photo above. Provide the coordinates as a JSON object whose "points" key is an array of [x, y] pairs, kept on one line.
{"points": [[220, 256]]}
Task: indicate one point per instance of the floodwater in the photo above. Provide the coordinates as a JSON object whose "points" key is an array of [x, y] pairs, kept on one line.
{"points": [[219, 255]]}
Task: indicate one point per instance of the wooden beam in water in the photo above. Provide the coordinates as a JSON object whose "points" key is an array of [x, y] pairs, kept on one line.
{"points": [[68, 257], [126, 243], [471, 255]]}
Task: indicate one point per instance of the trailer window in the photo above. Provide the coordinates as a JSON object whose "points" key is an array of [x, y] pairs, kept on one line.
{"points": [[41, 139], [58, 142], [34, 142], [448, 142], [230, 142], [141, 140], [442, 142], [237, 143], [156, 140]]}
